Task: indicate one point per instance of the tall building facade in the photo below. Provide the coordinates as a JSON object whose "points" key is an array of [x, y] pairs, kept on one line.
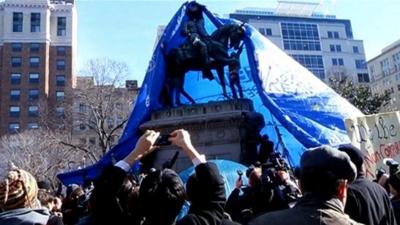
{"points": [[100, 111], [384, 70], [321, 43], [37, 50]]}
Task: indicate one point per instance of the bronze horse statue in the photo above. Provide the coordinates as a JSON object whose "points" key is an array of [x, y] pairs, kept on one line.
{"points": [[188, 58]]}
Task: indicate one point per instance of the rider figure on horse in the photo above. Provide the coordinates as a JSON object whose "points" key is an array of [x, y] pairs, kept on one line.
{"points": [[195, 31]]}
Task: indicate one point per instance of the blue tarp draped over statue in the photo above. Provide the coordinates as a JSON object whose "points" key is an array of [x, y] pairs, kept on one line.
{"points": [[300, 110]]}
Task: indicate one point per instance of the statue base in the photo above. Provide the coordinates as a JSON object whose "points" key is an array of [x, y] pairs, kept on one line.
{"points": [[220, 130]]}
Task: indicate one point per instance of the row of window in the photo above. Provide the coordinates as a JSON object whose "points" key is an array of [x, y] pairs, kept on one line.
{"points": [[314, 63], [33, 111], [15, 78], [18, 23], [14, 127], [298, 31], [301, 45], [338, 48], [265, 31], [34, 62], [35, 47], [33, 94], [333, 34]]}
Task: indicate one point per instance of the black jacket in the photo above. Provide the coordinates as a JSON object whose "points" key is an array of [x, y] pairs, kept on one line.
{"points": [[207, 195], [312, 209], [368, 203]]}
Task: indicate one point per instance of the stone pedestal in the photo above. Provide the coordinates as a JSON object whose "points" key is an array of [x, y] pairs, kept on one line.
{"points": [[216, 130]]}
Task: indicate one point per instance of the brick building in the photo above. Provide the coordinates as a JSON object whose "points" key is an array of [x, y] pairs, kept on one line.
{"points": [[37, 50]]}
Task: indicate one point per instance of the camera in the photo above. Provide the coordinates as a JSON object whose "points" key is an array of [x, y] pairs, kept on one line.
{"points": [[162, 140], [392, 164]]}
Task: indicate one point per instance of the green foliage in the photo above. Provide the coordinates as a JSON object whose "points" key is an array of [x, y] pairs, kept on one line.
{"points": [[360, 95]]}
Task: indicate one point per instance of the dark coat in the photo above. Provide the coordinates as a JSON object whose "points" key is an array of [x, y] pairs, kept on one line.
{"points": [[368, 203], [207, 195], [24, 216], [312, 209]]}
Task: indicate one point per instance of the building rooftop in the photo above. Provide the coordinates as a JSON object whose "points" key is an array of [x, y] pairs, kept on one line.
{"points": [[288, 8]]}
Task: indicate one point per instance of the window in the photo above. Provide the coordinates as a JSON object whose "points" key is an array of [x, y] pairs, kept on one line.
{"points": [[333, 34], [17, 21], [355, 49], [398, 87], [14, 111], [336, 34], [33, 78], [60, 80], [13, 127], [15, 78], [16, 61], [268, 32], [60, 111], [82, 126], [33, 110], [33, 126], [60, 64], [34, 62], [337, 62], [16, 47], [59, 95], [385, 67], [300, 36], [33, 94], [313, 63], [61, 50], [360, 64], [110, 122], [61, 26], [332, 48], [35, 22], [363, 77], [82, 108], [338, 48], [335, 48], [35, 47], [340, 62], [15, 94]]}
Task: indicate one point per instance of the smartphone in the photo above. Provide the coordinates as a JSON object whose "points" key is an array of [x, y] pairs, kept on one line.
{"points": [[162, 140]]}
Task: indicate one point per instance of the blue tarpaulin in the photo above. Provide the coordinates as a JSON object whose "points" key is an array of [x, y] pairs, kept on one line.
{"points": [[299, 109]]}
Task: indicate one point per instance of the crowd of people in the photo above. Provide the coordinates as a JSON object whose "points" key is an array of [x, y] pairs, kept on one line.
{"points": [[329, 187]]}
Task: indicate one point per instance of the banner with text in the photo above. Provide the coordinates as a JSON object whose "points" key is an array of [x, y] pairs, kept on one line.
{"points": [[378, 136]]}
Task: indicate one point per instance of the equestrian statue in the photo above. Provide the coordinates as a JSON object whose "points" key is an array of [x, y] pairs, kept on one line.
{"points": [[200, 52]]}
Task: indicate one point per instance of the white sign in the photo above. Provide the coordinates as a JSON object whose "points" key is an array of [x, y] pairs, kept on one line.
{"points": [[378, 136]]}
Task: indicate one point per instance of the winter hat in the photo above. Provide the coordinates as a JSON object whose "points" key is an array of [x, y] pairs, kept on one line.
{"points": [[356, 156], [18, 190]]}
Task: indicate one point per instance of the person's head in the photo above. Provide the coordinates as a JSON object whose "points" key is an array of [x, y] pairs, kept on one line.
{"points": [[326, 171], [356, 156], [161, 195], [394, 184], [18, 190], [46, 200], [255, 177], [195, 10]]}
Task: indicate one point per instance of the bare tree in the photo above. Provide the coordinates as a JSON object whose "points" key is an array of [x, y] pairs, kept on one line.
{"points": [[360, 95], [102, 104], [40, 153]]}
